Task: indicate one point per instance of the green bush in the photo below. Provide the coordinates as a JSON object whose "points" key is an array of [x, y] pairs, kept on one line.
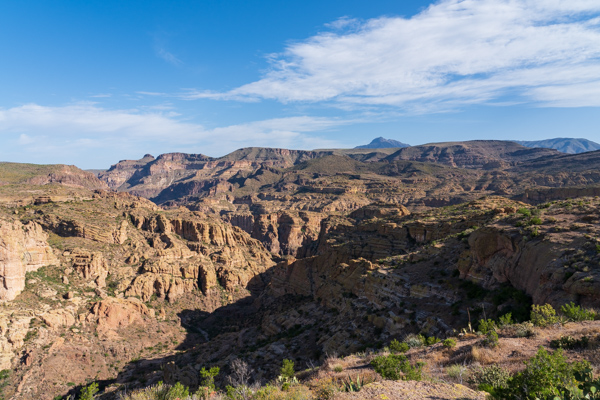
{"points": [[491, 339], [398, 347], [486, 325], [589, 388], [543, 315], [535, 221], [397, 366], [577, 313], [449, 343], [88, 392], [524, 211], [431, 340], [544, 375], [178, 391], [493, 376], [505, 320], [570, 343], [207, 377]]}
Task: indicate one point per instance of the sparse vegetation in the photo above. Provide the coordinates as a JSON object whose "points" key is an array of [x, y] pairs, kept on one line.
{"points": [[543, 315], [575, 312], [397, 367]]}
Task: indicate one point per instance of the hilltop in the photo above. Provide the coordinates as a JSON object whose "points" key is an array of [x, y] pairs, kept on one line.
{"points": [[382, 143]]}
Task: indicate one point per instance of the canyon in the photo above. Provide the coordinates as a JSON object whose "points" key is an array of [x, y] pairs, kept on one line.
{"points": [[158, 267]]}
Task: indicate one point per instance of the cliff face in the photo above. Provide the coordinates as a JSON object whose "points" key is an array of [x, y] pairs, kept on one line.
{"points": [[23, 248], [555, 266]]}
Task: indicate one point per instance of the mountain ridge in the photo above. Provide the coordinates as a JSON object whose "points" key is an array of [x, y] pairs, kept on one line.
{"points": [[564, 145]]}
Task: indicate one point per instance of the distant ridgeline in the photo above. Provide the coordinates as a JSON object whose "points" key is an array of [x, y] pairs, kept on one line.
{"points": [[564, 145]]}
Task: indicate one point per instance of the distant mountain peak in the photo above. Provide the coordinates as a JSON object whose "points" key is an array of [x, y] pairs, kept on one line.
{"points": [[382, 143]]}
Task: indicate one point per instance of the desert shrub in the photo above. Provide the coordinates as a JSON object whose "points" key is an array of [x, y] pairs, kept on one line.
{"points": [[589, 388], [267, 392], [543, 315], [207, 377], [160, 391], [325, 389], [543, 376], [524, 329], [431, 340], [397, 366], [89, 392], [490, 378], [458, 372], [338, 368], [449, 343], [178, 391], [577, 313], [413, 341], [505, 320], [491, 339], [398, 347], [524, 211], [570, 343], [486, 325], [535, 221]]}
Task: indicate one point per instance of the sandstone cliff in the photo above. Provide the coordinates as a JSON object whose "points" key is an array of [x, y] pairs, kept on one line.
{"points": [[23, 248]]}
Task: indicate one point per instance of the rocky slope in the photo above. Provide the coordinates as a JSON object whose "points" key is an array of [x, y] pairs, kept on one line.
{"points": [[85, 276]]}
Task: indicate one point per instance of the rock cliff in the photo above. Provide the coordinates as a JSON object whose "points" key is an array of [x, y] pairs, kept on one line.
{"points": [[23, 248]]}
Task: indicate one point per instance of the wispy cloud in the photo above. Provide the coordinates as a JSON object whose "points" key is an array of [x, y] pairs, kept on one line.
{"points": [[160, 49], [86, 133], [456, 52], [168, 56]]}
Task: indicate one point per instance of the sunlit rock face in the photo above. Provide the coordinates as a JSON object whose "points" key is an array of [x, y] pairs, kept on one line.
{"points": [[23, 248]]}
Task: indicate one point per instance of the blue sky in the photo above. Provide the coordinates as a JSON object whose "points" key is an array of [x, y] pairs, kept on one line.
{"points": [[91, 83]]}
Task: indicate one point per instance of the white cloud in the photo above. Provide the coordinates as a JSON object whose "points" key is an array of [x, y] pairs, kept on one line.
{"points": [[453, 53], [90, 136]]}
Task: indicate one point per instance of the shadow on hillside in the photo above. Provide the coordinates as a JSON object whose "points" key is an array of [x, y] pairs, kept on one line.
{"points": [[201, 327]]}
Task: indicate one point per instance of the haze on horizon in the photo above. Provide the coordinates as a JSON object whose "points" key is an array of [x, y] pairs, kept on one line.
{"points": [[91, 83]]}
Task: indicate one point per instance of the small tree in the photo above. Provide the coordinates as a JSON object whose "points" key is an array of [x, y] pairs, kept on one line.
{"points": [[207, 377], [287, 370], [89, 392]]}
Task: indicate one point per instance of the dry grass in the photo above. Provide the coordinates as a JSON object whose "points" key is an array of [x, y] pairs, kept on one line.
{"points": [[484, 356]]}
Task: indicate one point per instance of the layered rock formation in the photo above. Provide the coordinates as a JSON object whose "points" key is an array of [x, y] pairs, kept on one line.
{"points": [[23, 248]]}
